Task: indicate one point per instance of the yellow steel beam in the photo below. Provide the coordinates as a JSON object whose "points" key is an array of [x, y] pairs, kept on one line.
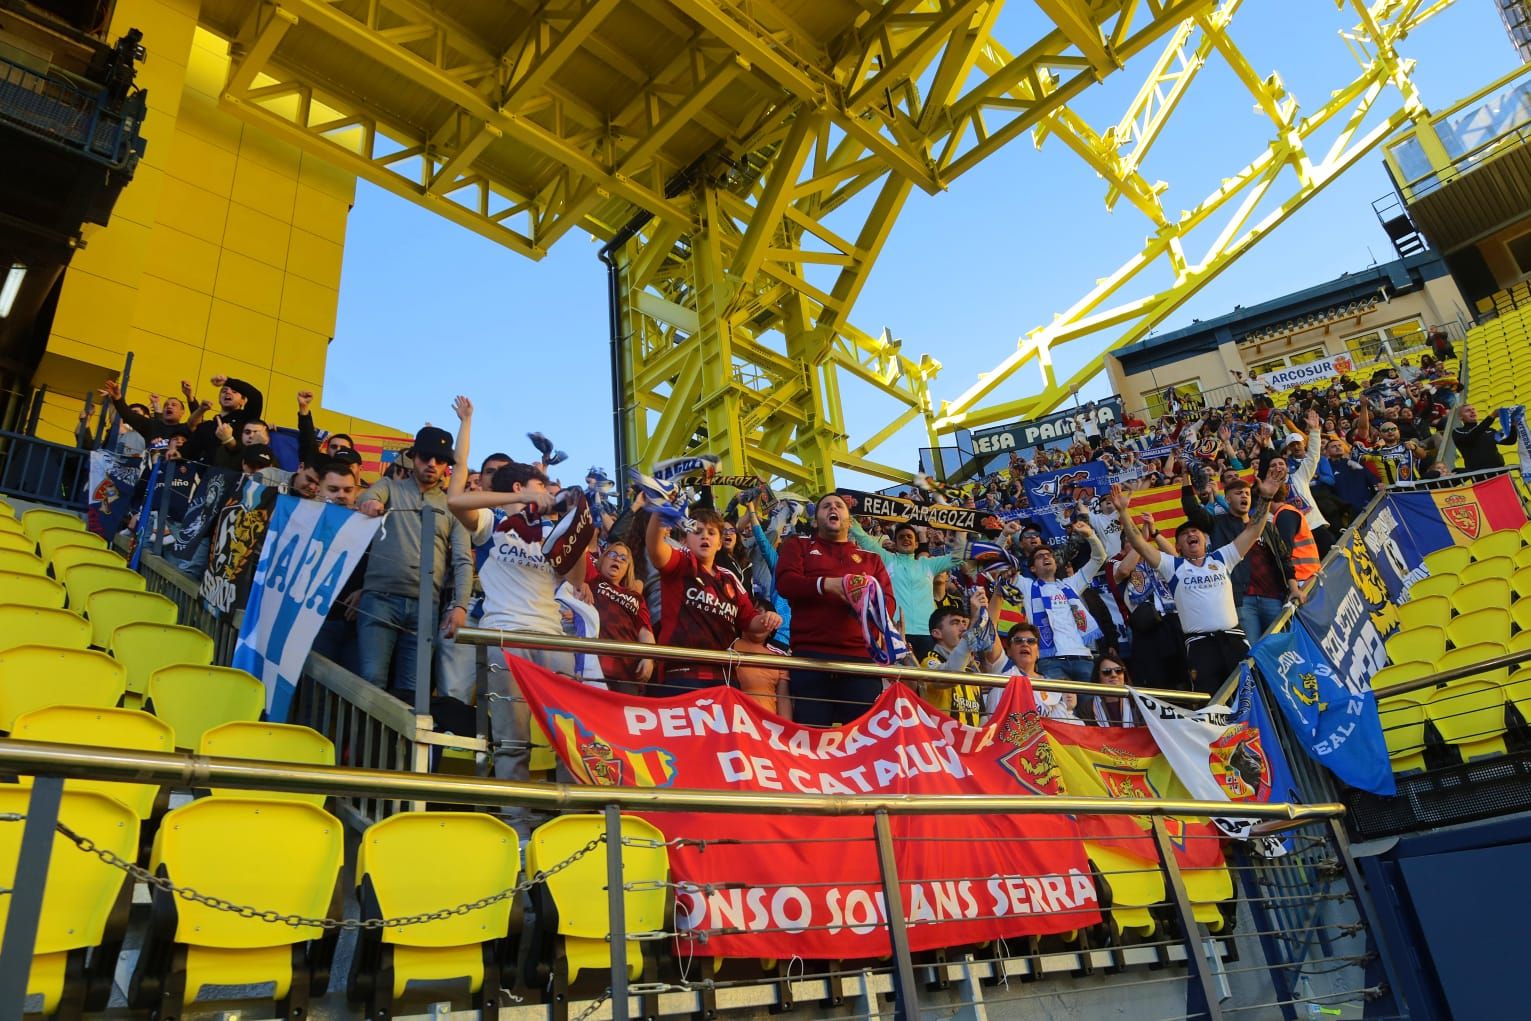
{"points": [[585, 19]]}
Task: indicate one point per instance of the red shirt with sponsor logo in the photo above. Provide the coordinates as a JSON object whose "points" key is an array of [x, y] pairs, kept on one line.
{"points": [[623, 614], [823, 622], [700, 609]]}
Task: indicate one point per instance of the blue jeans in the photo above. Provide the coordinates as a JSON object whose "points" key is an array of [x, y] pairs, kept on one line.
{"points": [[1061, 668], [1257, 613], [386, 642]]}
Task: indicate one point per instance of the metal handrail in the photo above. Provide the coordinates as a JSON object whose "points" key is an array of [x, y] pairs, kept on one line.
{"points": [[82, 762], [1509, 659], [605, 647]]}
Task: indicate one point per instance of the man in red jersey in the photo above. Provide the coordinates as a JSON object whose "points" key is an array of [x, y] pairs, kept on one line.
{"points": [[810, 575], [702, 605]]}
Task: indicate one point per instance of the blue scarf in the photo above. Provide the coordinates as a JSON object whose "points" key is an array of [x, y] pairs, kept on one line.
{"points": [[1036, 612]]}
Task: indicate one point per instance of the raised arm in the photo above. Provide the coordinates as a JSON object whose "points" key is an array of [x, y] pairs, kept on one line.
{"points": [[1309, 463], [654, 543], [308, 438], [1130, 534], [1266, 489]]}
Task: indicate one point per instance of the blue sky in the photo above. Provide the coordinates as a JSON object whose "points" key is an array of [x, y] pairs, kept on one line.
{"points": [[429, 310]]}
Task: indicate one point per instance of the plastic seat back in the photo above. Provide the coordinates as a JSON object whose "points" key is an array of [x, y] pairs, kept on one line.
{"points": [[1483, 570], [1430, 611], [281, 856], [1517, 691], [1522, 559], [66, 557], [103, 728], [16, 562], [1136, 887], [195, 699], [486, 860], [583, 920], [51, 540], [1403, 729], [1470, 654], [144, 646], [81, 891], [35, 676], [1491, 624], [39, 519], [16, 541], [31, 590], [38, 625], [1506, 543], [111, 608], [1435, 585], [274, 742], [1449, 560], [1482, 594], [84, 579], [1469, 714], [9, 523], [1207, 890], [1416, 645]]}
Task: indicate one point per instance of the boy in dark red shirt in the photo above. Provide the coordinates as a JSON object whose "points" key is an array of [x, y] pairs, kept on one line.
{"points": [[700, 606], [810, 575]]}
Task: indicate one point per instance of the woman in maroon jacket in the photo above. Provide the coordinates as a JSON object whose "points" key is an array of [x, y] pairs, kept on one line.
{"points": [[810, 575]]}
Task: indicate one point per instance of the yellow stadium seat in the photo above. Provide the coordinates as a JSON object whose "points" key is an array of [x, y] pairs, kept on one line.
{"points": [[34, 676], [100, 728], [109, 609], [9, 523], [1435, 585], [66, 557], [1469, 712], [1496, 544], [1431, 611], [51, 540], [1525, 532], [281, 856], [144, 646], [17, 562], [1449, 560], [1403, 728], [1522, 559], [1416, 645], [1517, 691], [17, 541], [1487, 625], [582, 921], [1520, 583], [1482, 570], [195, 699], [83, 579], [1480, 595], [485, 859], [273, 742], [1400, 672], [1135, 887], [39, 519], [85, 901], [31, 590], [37, 625], [1208, 890]]}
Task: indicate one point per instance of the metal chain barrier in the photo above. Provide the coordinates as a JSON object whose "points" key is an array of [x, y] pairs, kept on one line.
{"points": [[186, 893], [595, 1005]]}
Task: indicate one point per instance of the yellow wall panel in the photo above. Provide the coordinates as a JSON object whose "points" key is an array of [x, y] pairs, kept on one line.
{"points": [[159, 364], [171, 310], [207, 67], [117, 253], [162, 79], [309, 305], [237, 332], [269, 153], [264, 189], [313, 258], [321, 213], [215, 364], [328, 178], [139, 201], [248, 282], [253, 233], [194, 210], [110, 362], [300, 353], [200, 162], [183, 259], [94, 310], [201, 116], [167, 27]]}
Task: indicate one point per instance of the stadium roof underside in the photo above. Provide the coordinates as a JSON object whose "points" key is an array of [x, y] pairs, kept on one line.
{"points": [[761, 153]]}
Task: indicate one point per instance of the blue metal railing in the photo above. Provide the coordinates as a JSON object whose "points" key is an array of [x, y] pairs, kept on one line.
{"points": [[60, 111], [43, 472]]}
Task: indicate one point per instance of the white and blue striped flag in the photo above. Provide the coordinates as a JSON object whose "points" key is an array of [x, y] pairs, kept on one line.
{"points": [[311, 549]]}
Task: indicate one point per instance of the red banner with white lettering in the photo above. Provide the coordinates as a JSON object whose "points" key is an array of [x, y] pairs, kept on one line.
{"points": [[782, 885]]}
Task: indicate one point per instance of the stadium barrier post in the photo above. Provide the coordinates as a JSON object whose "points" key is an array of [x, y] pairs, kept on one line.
{"points": [[617, 908], [1196, 960], [1368, 916], [26, 894], [905, 993]]}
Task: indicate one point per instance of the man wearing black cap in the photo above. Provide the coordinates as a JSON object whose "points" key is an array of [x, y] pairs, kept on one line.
{"points": [[389, 605]]}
